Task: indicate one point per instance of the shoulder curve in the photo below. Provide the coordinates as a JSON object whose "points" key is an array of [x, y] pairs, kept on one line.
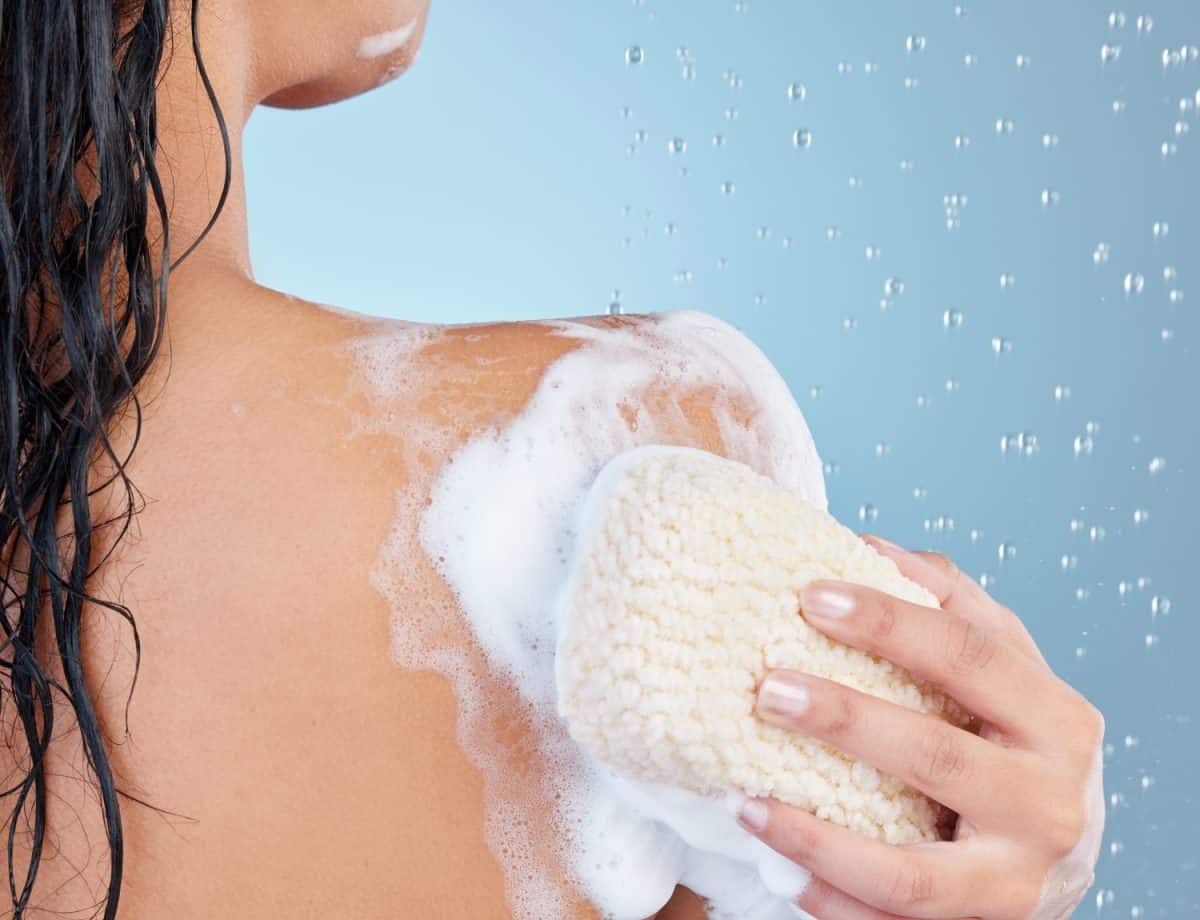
{"points": [[725, 382]]}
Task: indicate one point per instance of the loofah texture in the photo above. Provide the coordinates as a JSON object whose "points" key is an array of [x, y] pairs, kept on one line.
{"points": [[683, 593]]}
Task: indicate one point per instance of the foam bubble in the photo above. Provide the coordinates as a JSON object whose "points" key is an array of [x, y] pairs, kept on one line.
{"points": [[376, 46], [499, 520]]}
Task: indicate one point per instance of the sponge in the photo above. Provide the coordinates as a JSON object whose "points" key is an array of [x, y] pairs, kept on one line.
{"points": [[682, 594]]}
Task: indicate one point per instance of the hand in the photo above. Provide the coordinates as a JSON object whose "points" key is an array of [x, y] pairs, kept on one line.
{"points": [[1027, 789]]}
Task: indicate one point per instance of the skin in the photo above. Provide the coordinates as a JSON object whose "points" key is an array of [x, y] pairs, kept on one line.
{"points": [[292, 767]]}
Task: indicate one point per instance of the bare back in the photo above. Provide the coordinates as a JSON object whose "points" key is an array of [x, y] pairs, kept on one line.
{"points": [[297, 769]]}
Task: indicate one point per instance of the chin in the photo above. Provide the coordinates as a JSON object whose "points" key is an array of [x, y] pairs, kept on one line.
{"points": [[377, 58]]}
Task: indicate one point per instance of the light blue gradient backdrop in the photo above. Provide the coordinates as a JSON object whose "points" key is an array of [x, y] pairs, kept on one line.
{"points": [[495, 182]]}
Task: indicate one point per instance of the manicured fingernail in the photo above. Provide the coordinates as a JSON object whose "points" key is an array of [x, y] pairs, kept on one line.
{"points": [[882, 544], [750, 813], [826, 600], [782, 695]]}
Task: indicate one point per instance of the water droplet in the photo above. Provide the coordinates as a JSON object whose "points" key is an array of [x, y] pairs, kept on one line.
{"points": [[797, 92], [1160, 229], [802, 138], [633, 55], [915, 44], [906, 166], [1140, 517], [961, 141], [669, 229], [1061, 392], [1022, 61], [1006, 552], [986, 581], [718, 140], [919, 493], [844, 67], [831, 468], [1175, 296], [1049, 141], [951, 385], [731, 114], [1134, 283], [872, 252], [1101, 253], [1097, 533], [870, 67], [849, 324], [975, 535], [1168, 149], [854, 182], [952, 319], [1145, 24], [1076, 525], [882, 449], [867, 512], [1049, 198], [1083, 445], [1159, 606], [1068, 562], [1169, 274], [1116, 848], [1081, 593], [615, 308], [676, 145], [688, 71], [832, 232], [968, 60], [1004, 126], [1001, 345], [1109, 53], [1118, 106], [1116, 20], [1007, 280], [727, 187], [1156, 466], [1167, 334], [893, 287]]}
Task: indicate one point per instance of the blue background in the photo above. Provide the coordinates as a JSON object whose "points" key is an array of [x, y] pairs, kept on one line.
{"points": [[522, 170]]}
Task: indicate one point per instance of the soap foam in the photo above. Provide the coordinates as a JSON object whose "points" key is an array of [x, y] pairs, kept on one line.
{"points": [[499, 521], [376, 46]]}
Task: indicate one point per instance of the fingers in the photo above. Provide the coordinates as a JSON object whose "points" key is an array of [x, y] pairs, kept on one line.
{"points": [[955, 591], [934, 880], [962, 771], [982, 671], [823, 901]]}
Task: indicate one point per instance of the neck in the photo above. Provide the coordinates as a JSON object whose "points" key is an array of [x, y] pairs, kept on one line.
{"points": [[191, 158]]}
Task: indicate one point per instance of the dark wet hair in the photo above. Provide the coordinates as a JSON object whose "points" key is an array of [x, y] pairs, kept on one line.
{"points": [[83, 305]]}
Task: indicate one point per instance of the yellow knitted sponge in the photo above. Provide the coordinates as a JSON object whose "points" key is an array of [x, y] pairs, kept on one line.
{"points": [[682, 594]]}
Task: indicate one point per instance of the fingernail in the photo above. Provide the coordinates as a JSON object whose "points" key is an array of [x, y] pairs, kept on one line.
{"points": [[825, 600], [881, 543], [750, 813], [782, 695]]}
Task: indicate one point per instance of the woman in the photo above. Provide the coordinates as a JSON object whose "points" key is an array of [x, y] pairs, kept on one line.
{"points": [[257, 562]]}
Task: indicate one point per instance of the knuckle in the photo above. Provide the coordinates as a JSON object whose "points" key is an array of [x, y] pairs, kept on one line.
{"points": [[842, 716], [801, 842], [967, 648], [1093, 720], [941, 758], [912, 886], [1064, 829], [883, 623]]}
